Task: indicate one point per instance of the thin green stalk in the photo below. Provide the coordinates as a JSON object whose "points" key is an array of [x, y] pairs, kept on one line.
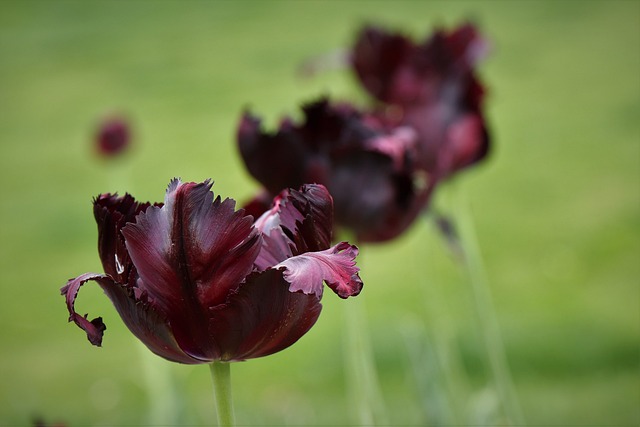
{"points": [[436, 366], [486, 314], [364, 385], [221, 376]]}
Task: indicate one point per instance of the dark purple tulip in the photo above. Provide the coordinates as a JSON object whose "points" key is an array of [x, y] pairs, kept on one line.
{"points": [[113, 136], [368, 169], [197, 281], [431, 87]]}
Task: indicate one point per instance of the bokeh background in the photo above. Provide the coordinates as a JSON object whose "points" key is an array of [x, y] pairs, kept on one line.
{"points": [[556, 209]]}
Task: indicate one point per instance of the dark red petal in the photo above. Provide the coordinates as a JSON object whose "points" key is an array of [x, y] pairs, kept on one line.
{"points": [[278, 160], [264, 317], [301, 153], [400, 219], [193, 250], [94, 328], [467, 45], [112, 213], [316, 231], [298, 221], [336, 266], [366, 191], [377, 56], [276, 245], [467, 142]]}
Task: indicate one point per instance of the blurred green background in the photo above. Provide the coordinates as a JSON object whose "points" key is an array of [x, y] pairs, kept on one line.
{"points": [[556, 209]]}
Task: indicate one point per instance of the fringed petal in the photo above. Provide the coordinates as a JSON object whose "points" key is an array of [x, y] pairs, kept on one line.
{"points": [[336, 266], [298, 221], [112, 213], [193, 250], [94, 328]]}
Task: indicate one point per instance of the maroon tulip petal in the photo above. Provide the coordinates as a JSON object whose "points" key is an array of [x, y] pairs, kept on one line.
{"points": [[299, 221], [192, 249], [277, 245], [336, 266], [376, 57], [264, 317], [94, 328], [300, 153], [112, 213], [467, 143], [281, 214], [278, 160], [467, 45], [400, 220], [316, 231]]}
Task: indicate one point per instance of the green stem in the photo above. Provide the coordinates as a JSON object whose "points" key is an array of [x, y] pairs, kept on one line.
{"points": [[363, 378], [486, 315], [363, 384], [221, 376], [437, 367]]}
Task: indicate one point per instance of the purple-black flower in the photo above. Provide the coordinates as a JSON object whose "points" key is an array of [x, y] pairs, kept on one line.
{"points": [[368, 169], [197, 281], [113, 136], [430, 87]]}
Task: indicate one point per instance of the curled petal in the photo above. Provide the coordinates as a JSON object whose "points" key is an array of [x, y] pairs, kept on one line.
{"points": [[299, 221], [94, 328], [336, 266], [272, 224], [282, 213], [316, 231]]}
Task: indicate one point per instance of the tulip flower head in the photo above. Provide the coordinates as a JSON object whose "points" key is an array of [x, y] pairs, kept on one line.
{"points": [[368, 169], [113, 137], [430, 87], [197, 281]]}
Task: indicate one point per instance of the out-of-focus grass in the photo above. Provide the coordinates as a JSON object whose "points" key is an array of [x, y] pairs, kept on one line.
{"points": [[557, 207]]}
